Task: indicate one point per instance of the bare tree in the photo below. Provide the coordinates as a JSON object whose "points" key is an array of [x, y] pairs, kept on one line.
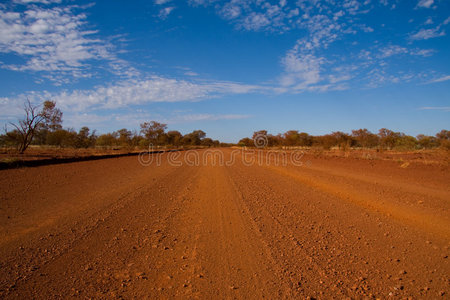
{"points": [[34, 122], [27, 126]]}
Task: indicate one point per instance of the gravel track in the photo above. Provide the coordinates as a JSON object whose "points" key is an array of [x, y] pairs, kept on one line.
{"points": [[330, 227]]}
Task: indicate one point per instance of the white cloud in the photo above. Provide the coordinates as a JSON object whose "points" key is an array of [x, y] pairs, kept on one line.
{"points": [[379, 76], [425, 3], [137, 92], [161, 2], [265, 15], [429, 21], [190, 73], [440, 79], [335, 78], [54, 41], [37, 1], [231, 11], [442, 108], [301, 70], [392, 50], [425, 34], [255, 22], [367, 28], [165, 12], [423, 52]]}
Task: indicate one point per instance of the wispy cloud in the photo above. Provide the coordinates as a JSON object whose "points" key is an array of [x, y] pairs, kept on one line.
{"points": [[392, 50], [425, 3], [425, 34], [54, 40], [37, 1], [301, 71], [190, 73], [428, 33], [138, 92], [165, 12], [283, 16], [160, 2], [441, 108], [440, 79]]}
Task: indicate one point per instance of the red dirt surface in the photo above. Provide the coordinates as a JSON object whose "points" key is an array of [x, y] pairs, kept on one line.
{"points": [[40, 153], [330, 227]]}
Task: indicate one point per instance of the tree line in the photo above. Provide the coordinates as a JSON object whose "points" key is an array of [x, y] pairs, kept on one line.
{"points": [[361, 138], [42, 125]]}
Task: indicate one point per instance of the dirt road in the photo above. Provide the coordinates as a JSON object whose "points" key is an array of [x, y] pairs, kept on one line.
{"points": [[237, 228]]}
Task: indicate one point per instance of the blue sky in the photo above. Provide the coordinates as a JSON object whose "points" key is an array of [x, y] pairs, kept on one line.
{"points": [[230, 67]]}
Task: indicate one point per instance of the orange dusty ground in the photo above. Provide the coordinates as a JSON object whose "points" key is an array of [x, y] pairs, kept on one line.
{"points": [[251, 228], [39, 153]]}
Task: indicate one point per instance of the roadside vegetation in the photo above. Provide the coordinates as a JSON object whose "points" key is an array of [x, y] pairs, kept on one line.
{"points": [[42, 126], [385, 139]]}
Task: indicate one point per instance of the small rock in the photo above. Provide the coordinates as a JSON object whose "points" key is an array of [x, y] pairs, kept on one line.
{"points": [[87, 268]]}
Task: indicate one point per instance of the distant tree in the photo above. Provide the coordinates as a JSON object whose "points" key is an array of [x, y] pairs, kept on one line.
{"points": [[259, 134], [304, 139], [444, 139], [61, 138], [107, 140], [443, 135], [275, 140], [406, 142], [246, 142], [291, 138], [153, 131], [388, 138], [10, 138], [85, 138], [207, 142], [260, 138], [326, 141], [52, 116], [343, 140], [174, 138], [52, 122], [427, 142], [27, 127], [135, 138], [364, 138], [194, 138], [124, 137]]}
